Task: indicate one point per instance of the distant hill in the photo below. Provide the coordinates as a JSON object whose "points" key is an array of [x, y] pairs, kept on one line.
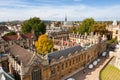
{"points": [[12, 22]]}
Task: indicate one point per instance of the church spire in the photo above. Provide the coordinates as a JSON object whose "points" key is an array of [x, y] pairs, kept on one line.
{"points": [[65, 18]]}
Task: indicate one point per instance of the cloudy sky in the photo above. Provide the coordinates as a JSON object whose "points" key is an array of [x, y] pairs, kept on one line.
{"points": [[58, 9]]}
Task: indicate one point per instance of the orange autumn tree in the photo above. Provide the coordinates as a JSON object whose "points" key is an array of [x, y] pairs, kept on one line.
{"points": [[44, 45]]}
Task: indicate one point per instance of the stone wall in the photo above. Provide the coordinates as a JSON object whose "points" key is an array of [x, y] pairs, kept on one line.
{"points": [[57, 70], [66, 66]]}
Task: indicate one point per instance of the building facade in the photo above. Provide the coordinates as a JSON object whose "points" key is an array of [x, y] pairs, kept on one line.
{"points": [[115, 29], [26, 65], [23, 40]]}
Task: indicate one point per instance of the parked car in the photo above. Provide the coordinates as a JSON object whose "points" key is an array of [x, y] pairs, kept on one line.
{"points": [[70, 79]]}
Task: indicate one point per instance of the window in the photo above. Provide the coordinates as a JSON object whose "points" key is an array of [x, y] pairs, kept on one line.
{"points": [[36, 74], [66, 65], [53, 71], [73, 61], [79, 58], [82, 56], [58, 68], [76, 60], [70, 62]]}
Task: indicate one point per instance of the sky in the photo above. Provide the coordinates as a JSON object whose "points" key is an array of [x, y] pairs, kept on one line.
{"points": [[75, 10]]}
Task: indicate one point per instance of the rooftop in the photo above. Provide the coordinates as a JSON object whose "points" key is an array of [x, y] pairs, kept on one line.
{"points": [[21, 54], [57, 54], [16, 37]]}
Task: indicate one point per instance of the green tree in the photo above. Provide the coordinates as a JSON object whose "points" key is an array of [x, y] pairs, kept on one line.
{"points": [[73, 29], [112, 41], [99, 28], [34, 24], [86, 25], [44, 45], [10, 33], [26, 27]]}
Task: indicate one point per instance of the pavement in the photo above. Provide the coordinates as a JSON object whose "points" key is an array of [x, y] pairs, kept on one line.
{"points": [[91, 74]]}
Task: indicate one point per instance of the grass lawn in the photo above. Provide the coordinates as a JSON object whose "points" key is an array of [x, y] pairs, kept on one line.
{"points": [[110, 73]]}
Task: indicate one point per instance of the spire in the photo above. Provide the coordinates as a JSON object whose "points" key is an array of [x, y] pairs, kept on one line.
{"points": [[65, 18]]}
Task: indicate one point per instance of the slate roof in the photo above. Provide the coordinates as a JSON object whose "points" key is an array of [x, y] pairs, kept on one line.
{"points": [[57, 54], [22, 54]]}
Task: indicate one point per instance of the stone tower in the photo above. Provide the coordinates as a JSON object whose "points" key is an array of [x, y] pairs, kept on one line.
{"points": [[65, 18]]}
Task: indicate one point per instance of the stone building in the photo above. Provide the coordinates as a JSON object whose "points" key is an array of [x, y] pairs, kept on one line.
{"points": [[61, 44], [116, 61], [14, 26], [115, 28], [59, 35], [85, 40], [4, 62], [53, 27], [27, 65], [3, 29], [23, 40]]}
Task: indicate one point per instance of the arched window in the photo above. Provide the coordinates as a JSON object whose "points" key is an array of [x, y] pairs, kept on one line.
{"points": [[36, 74]]}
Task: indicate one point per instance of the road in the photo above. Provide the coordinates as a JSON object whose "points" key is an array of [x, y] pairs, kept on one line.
{"points": [[92, 74]]}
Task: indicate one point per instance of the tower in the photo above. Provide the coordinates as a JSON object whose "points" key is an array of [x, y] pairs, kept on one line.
{"points": [[65, 18], [114, 23]]}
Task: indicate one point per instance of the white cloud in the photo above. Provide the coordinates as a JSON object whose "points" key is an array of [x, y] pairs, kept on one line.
{"points": [[73, 12]]}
